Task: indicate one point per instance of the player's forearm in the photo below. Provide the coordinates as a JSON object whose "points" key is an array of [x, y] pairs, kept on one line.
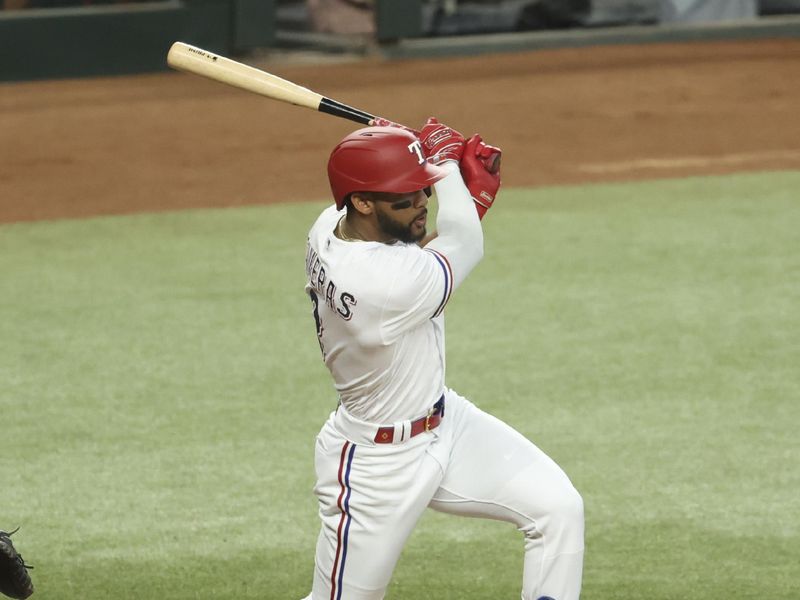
{"points": [[459, 234]]}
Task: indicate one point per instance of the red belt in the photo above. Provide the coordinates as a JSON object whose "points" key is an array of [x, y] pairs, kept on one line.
{"points": [[430, 421]]}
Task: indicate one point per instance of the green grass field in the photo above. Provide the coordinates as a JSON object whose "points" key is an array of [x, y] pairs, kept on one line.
{"points": [[161, 388]]}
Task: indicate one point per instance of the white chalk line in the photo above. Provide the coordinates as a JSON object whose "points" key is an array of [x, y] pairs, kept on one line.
{"points": [[688, 162]]}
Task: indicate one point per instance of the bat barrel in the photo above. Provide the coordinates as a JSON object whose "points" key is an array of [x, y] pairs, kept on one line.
{"points": [[191, 59], [207, 64]]}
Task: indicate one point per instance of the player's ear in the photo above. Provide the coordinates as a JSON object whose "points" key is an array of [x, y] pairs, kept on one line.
{"points": [[362, 203]]}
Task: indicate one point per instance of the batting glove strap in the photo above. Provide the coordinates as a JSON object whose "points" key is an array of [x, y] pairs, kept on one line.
{"points": [[440, 142]]}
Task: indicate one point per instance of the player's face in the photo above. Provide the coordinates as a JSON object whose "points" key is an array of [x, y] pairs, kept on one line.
{"points": [[404, 217]]}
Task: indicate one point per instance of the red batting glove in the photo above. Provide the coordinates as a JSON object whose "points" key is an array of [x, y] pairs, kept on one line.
{"points": [[440, 142], [475, 166]]}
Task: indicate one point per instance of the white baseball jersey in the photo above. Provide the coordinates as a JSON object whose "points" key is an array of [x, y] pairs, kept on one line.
{"points": [[379, 309]]}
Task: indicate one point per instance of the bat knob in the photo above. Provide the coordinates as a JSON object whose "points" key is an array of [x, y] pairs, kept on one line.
{"points": [[493, 163]]}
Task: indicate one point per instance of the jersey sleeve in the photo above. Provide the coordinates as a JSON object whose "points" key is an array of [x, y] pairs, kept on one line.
{"points": [[460, 237], [421, 286]]}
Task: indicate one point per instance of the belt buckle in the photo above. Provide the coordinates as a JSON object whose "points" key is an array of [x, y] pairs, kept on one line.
{"points": [[428, 419]]}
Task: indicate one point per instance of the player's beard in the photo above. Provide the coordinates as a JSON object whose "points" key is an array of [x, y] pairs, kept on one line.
{"points": [[408, 233]]}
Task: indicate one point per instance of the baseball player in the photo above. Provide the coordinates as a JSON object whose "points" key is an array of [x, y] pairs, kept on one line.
{"points": [[400, 440]]}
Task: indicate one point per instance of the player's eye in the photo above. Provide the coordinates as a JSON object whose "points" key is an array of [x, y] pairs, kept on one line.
{"points": [[428, 191], [401, 205]]}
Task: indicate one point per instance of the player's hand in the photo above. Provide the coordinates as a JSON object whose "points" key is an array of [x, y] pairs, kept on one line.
{"points": [[440, 142], [480, 168]]}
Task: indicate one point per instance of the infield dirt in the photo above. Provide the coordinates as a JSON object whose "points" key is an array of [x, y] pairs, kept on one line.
{"points": [[76, 148]]}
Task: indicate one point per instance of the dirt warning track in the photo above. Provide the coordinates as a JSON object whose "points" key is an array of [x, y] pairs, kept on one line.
{"points": [[76, 148]]}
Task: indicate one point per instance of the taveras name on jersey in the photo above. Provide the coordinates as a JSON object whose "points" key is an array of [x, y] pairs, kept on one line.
{"points": [[326, 288]]}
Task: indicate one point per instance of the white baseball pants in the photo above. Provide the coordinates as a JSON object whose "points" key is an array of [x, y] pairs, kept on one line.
{"points": [[372, 495]]}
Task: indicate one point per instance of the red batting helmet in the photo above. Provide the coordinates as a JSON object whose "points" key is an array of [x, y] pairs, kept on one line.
{"points": [[380, 159]]}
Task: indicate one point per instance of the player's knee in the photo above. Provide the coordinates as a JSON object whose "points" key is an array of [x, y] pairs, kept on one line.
{"points": [[565, 519], [571, 509], [558, 516], [572, 505]]}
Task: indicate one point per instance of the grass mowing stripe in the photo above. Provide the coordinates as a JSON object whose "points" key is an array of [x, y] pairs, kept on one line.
{"points": [[161, 389]]}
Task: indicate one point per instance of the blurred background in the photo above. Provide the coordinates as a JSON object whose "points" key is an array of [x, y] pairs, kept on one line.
{"points": [[38, 37]]}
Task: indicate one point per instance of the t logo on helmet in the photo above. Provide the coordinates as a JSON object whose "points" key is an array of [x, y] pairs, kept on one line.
{"points": [[416, 147]]}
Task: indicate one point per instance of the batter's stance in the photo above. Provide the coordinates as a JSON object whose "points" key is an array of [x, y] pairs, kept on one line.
{"points": [[400, 441]]}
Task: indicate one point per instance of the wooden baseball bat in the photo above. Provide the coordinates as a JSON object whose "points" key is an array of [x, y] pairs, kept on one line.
{"points": [[191, 59]]}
